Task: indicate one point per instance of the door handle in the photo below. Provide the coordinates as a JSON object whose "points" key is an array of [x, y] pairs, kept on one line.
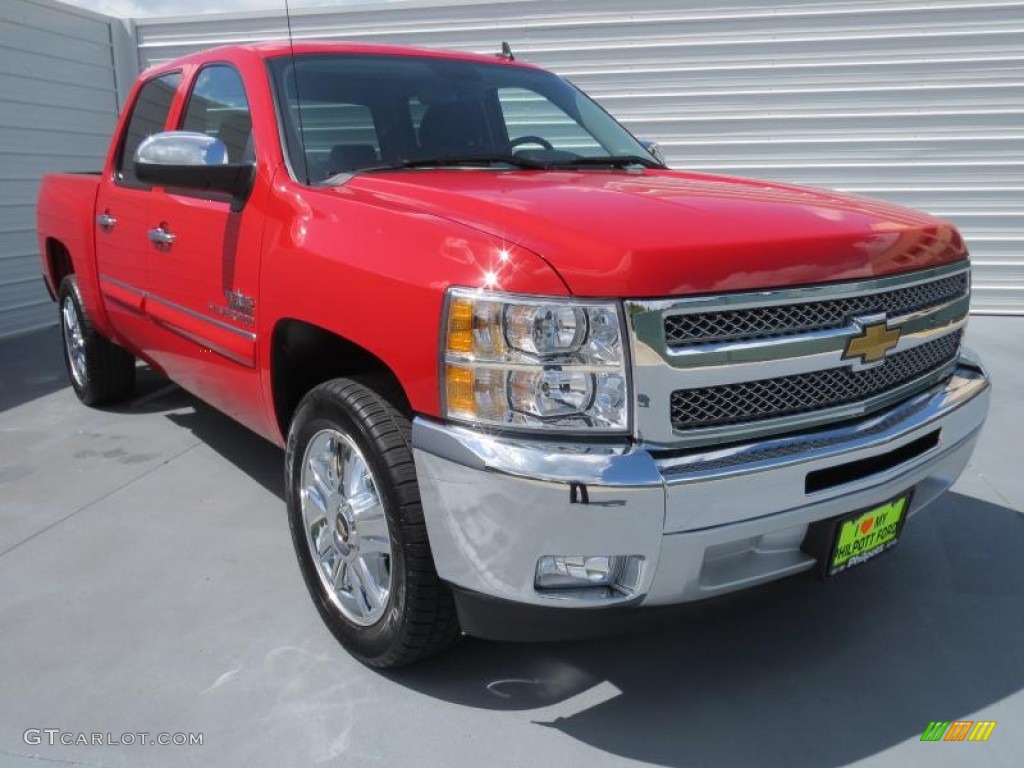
{"points": [[160, 236], [106, 222]]}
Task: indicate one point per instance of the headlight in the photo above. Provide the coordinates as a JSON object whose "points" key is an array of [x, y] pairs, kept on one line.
{"points": [[524, 362]]}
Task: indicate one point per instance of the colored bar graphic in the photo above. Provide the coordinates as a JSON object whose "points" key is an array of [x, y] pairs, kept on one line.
{"points": [[982, 730], [958, 730]]}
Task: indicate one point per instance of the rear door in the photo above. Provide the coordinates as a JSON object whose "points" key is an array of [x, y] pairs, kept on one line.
{"points": [[125, 210], [202, 285]]}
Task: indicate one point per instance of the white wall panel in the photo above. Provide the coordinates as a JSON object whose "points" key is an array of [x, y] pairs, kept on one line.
{"points": [[917, 102], [58, 104]]}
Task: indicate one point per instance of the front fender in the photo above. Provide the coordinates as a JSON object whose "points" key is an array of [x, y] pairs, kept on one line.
{"points": [[375, 272]]}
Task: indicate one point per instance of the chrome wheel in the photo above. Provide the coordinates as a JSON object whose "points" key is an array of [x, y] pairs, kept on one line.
{"points": [[346, 528], [74, 341]]}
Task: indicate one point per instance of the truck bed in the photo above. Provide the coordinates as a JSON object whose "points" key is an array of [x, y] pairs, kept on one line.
{"points": [[64, 224]]}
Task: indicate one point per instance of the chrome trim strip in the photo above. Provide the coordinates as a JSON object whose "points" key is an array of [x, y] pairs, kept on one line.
{"points": [[123, 303], [824, 292], [204, 342], [198, 316], [119, 284], [249, 335], [135, 309]]}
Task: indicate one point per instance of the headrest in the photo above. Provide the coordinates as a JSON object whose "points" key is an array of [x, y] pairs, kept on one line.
{"points": [[453, 128], [236, 132], [350, 157]]}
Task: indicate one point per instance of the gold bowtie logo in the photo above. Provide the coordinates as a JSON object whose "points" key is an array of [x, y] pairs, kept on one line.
{"points": [[872, 343]]}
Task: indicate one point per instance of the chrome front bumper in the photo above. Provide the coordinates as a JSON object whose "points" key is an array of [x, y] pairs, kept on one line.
{"points": [[705, 522]]}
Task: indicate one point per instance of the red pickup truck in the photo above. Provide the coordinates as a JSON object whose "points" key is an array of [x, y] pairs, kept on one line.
{"points": [[530, 381]]}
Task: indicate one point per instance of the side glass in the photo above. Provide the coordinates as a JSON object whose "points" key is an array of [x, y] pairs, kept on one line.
{"points": [[149, 114], [218, 107]]}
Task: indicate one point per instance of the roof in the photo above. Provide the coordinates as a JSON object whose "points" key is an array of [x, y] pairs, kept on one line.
{"points": [[274, 48]]}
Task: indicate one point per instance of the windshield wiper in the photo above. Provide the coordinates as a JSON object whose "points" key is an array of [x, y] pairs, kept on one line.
{"points": [[615, 161], [449, 161], [458, 160], [516, 161]]}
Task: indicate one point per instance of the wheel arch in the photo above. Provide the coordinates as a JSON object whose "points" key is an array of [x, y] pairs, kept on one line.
{"points": [[303, 355], [59, 265]]}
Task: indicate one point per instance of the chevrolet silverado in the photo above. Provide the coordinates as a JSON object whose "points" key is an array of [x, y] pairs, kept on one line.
{"points": [[527, 378]]}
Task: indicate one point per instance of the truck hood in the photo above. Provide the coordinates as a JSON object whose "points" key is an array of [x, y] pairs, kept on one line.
{"points": [[665, 233]]}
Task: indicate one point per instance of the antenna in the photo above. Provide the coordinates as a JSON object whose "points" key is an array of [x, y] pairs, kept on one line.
{"points": [[298, 96], [506, 52]]}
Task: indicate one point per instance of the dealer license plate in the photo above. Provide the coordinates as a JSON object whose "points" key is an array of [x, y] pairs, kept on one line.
{"points": [[865, 535]]}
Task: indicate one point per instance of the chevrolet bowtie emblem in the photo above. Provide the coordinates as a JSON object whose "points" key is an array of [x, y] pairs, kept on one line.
{"points": [[873, 343]]}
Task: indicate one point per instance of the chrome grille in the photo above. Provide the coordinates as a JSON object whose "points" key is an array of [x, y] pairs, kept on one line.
{"points": [[781, 320], [771, 398], [783, 447]]}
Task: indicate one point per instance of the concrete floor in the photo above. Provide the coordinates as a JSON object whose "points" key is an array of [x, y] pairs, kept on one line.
{"points": [[148, 584]]}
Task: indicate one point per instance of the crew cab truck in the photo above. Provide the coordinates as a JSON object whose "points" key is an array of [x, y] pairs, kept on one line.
{"points": [[528, 378]]}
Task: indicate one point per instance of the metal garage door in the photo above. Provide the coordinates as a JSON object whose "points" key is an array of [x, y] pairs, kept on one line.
{"points": [[58, 103], [918, 102]]}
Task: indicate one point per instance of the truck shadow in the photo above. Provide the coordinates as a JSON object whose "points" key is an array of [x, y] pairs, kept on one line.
{"points": [[259, 459], [31, 366], [798, 673]]}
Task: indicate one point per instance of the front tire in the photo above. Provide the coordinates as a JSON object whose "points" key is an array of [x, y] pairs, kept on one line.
{"points": [[358, 530], [100, 371]]}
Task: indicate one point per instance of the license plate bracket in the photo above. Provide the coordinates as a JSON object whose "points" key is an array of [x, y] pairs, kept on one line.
{"points": [[847, 541]]}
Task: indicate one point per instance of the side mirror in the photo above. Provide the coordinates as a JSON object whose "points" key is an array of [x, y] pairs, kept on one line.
{"points": [[193, 161], [655, 149]]}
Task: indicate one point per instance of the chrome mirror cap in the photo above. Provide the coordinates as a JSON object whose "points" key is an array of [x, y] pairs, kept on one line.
{"points": [[182, 148], [182, 160]]}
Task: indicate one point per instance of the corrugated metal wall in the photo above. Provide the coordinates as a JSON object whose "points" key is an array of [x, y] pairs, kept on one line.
{"points": [[917, 102], [58, 103]]}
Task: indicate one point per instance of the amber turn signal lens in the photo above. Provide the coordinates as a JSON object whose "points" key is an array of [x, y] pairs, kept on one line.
{"points": [[460, 326], [461, 391]]}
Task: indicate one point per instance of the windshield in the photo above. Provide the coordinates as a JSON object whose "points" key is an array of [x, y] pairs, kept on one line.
{"points": [[349, 112]]}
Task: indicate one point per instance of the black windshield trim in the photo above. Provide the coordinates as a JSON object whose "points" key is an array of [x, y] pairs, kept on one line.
{"points": [[612, 160], [516, 163]]}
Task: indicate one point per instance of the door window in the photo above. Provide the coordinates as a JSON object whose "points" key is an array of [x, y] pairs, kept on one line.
{"points": [[149, 115], [218, 107]]}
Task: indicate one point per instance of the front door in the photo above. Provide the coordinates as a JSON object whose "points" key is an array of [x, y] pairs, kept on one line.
{"points": [[203, 278]]}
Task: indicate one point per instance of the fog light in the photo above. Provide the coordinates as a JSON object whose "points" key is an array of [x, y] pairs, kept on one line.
{"points": [[619, 572]]}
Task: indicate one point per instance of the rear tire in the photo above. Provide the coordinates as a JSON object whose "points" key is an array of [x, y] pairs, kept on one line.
{"points": [[354, 508], [100, 371]]}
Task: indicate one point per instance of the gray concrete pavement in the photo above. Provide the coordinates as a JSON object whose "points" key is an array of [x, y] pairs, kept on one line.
{"points": [[147, 583]]}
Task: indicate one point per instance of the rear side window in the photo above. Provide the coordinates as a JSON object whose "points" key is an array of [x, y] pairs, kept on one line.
{"points": [[218, 107], [149, 115]]}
